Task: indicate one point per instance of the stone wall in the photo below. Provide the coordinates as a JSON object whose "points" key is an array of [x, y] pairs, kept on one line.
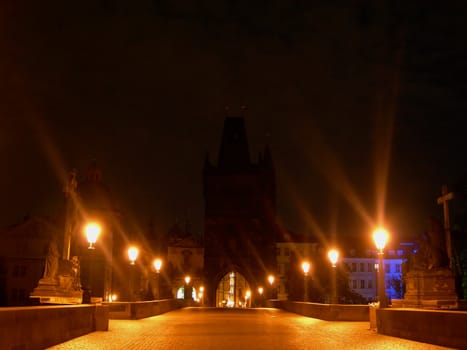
{"points": [[328, 312], [445, 328], [38, 327], [142, 309]]}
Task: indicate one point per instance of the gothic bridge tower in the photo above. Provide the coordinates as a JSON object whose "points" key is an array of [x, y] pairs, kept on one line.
{"points": [[240, 227]]}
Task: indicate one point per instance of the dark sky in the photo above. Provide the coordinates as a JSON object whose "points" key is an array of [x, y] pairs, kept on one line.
{"points": [[344, 92]]}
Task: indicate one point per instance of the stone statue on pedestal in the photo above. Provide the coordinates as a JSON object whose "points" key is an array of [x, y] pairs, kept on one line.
{"points": [[51, 261], [61, 283], [428, 279]]}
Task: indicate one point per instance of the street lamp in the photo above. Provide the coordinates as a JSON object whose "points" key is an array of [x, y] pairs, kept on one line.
{"points": [[333, 256], [271, 282], [157, 266], [92, 231], [306, 269], [187, 289], [380, 237], [260, 292], [201, 294], [132, 255], [248, 298]]}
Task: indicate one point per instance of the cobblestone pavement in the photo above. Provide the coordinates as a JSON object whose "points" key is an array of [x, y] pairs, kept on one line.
{"points": [[209, 328]]}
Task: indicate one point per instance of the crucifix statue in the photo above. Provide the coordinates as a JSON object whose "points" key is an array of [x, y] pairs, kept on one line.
{"points": [[445, 197]]}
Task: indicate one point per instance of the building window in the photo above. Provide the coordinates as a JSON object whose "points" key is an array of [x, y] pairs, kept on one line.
{"points": [[362, 267], [354, 267], [400, 252], [388, 284], [278, 251], [354, 284], [370, 267], [287, 251], [398, 268], [362, 284], [392, 252], [370, 284], [387, 268], [16, 271]]}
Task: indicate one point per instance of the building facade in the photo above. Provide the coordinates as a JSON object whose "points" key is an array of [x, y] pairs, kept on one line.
{"points": [[22, 258], [363, 268]]}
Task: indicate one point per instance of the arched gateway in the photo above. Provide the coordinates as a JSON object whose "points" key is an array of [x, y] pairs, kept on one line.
{"points": [[232, 291]]}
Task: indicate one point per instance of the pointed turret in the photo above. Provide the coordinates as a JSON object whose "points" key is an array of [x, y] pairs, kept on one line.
{"points": [[234, 151]]}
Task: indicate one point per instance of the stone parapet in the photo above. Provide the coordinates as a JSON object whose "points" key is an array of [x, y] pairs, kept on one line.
{"points": [[439, 327], [142, 309], [39, 327], [328, 312]]}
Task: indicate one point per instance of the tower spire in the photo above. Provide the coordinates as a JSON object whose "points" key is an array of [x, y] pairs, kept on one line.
{"points": [[234, 151]]}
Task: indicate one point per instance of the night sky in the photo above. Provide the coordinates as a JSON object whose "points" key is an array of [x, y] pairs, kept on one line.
{"points": [[342, 91]]}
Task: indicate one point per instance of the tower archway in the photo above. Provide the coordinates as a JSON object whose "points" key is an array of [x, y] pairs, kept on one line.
{"points": [[233, 291]]}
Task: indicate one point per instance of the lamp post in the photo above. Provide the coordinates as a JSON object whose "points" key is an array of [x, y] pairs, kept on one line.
{"points": [[260, 292], [381, 236], [271, 283], [248, 299], [306, 269], [132, 256], [187, 289], [157, 266], [333, 256], [92, 231], [201, 295]]}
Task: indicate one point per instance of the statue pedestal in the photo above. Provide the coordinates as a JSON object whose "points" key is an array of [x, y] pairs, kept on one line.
{"points": [[56, 291], [433, 289]]}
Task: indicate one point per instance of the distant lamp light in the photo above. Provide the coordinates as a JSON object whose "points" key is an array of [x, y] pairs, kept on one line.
{"points": [[260, 290], [113, 297], [333, 256], [306, 267], [187, 279], [201, 289], [92, 231], [132, 254], [271, 279], [157, 265]]}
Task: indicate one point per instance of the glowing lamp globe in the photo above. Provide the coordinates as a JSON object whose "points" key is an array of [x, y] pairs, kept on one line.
{"points": [[92, 232], [381, 237], [133, 254], [157, 264], [333, 256], [271, 279]]}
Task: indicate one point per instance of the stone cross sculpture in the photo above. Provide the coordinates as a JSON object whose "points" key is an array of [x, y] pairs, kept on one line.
{"points": [[445, 197]]}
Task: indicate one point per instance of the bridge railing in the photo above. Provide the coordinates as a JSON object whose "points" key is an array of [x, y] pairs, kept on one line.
{"points": [[142, 309], [328, 312], [39, 327]]}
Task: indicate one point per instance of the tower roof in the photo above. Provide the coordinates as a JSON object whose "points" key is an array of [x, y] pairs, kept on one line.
{"points": [[234, 151]]}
